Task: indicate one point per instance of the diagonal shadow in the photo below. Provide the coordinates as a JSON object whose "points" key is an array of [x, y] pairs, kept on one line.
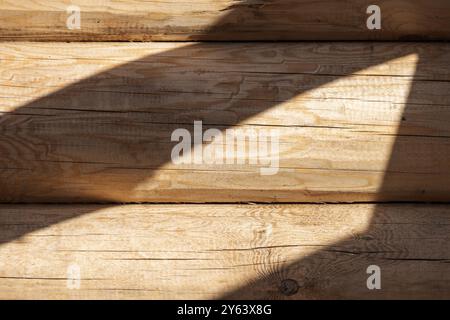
{"points": [[399, 241], [148, 109]]}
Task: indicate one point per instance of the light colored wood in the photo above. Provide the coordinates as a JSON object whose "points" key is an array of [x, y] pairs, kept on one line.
{"points": [[224, 251], [223, 20], [93, 122]]}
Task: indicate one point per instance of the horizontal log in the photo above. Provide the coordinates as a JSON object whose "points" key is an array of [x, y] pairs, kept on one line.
{"points": [[168, 20], [94, 122], [223, 251]]}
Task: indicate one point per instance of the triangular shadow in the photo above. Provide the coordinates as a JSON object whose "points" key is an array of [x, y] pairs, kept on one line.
{"points": [[153, 103]]}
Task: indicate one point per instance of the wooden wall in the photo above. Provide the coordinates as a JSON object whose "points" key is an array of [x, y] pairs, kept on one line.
{"points": [[86, 125]]}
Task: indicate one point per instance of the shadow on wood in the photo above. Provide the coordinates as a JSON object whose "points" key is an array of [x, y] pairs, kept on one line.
{"points": [[104, 169]]}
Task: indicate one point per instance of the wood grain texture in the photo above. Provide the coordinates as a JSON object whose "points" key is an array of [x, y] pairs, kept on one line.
{"points": [[93, 122], [224, 251], [231, 20]]}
